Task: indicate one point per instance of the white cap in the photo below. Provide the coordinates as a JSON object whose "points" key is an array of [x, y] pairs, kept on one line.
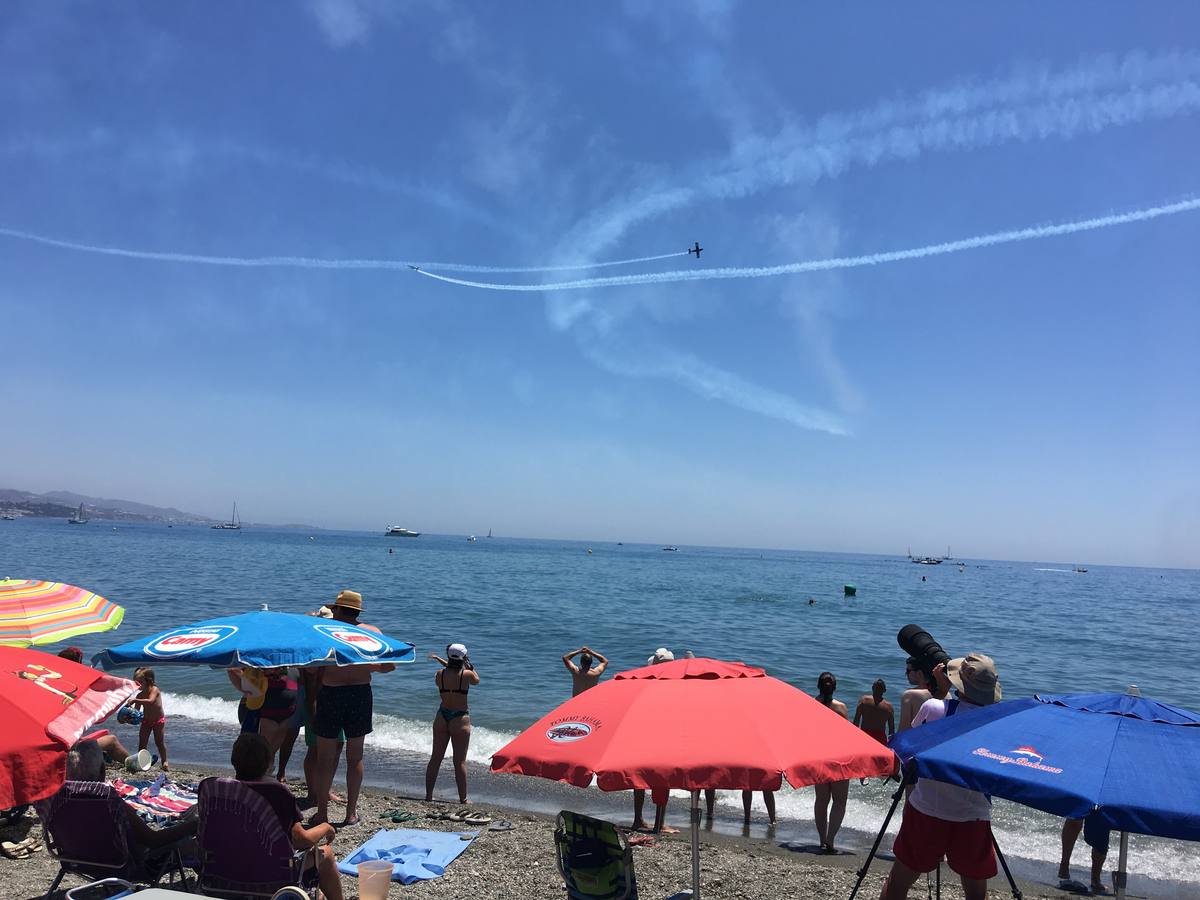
{"points": [[661, 655], [456, 651]]}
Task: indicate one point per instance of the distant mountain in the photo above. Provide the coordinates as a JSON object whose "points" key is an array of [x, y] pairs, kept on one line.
{"points": [[62, 503]]}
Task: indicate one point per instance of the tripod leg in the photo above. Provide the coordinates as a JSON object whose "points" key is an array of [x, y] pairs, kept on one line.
{"points": [[1016, 891], [862, 873]]}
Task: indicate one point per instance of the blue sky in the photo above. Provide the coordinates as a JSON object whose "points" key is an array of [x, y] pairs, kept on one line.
{"points": [[1034, 400]]}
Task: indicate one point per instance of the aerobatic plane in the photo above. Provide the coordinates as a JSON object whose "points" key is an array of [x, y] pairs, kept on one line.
{"points": [[696, 250], [414, 268]]}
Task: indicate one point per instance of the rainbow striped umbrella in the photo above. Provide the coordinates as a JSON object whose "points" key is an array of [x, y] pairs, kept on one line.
{"points": [[43, 612]]}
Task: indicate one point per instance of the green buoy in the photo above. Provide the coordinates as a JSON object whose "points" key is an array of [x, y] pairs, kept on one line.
{"points": [[849, 589]]}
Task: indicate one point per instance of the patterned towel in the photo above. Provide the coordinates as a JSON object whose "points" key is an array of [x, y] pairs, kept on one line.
{"points": [[159, 802]]}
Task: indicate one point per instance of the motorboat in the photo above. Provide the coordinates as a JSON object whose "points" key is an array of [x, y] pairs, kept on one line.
{"points": [[397, 531], [671, 549]]}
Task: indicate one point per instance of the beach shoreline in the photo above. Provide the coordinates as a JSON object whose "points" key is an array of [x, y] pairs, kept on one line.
{"points": [[521, 863]]}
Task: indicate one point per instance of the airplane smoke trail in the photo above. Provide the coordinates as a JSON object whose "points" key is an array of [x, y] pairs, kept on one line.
{"points": [[308, 262], [844, 262]]}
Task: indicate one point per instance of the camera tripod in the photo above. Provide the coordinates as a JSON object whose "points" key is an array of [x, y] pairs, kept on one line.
{"points": [[896, 798]]}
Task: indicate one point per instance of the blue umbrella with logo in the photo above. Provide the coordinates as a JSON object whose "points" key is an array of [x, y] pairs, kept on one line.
{"points": [[1127, 760], [260, 640]]}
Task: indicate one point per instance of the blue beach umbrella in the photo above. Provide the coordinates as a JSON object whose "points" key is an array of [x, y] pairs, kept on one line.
{"points": [[1132, 762], [261, 640]]}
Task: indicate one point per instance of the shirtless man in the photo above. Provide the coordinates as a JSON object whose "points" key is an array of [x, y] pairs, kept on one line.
{"points": [[584, 675], [874, 715], [912, 699], [344, 704], [837, 791]]}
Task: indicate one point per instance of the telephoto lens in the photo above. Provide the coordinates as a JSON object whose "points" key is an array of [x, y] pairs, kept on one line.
{"points": [[920, 645]]}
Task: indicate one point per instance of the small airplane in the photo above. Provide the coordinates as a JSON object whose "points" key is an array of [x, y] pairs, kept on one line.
{"points": [[418, 268], [697, 249]]}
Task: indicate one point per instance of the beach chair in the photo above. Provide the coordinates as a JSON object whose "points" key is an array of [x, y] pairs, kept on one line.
{"points": [[594, 858], [86, 830], [244, 849]]}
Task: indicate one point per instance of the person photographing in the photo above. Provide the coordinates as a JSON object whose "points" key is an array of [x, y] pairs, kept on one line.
{"points": [[945, 820], [452, 722]]}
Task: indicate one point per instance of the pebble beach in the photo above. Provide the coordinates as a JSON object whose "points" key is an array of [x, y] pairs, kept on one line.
{"points": [[520, 863]]}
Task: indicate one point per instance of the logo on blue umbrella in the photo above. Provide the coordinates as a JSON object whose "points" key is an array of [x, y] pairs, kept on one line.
{"points": [[361, 642], [188, 640]]}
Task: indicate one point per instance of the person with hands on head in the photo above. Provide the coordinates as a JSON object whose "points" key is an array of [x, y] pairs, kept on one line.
{"points": [[583, 674], [452, 722], [829, 820]]}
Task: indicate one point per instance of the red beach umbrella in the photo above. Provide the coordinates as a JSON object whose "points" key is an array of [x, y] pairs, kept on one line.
{"points": [[693, 724], [46, 703]]}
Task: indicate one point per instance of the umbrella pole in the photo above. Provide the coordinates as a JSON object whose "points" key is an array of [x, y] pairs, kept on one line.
{"points": [[1016, 891], [1119, 877], [695, 845], [862, 873]]}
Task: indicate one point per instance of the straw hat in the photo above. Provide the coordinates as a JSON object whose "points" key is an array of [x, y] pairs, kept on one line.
{"points": [[350, 600]]}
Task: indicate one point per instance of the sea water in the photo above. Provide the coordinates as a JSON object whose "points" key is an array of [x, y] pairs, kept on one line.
{"points": [[519, 605]]}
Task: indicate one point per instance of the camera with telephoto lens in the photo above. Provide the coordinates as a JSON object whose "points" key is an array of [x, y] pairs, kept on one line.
{"points": [[920, 645]]}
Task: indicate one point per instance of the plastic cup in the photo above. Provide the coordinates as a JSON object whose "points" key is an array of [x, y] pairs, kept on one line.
{"points": [[374, 879]]}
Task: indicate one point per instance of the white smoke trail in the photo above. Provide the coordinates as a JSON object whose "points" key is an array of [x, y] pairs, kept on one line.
{"points": [[308, 262], [1034, 103], [846, 262]]}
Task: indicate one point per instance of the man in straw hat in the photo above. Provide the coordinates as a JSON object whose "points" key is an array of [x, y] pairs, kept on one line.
{"points": [[344, 706], [945, 820]]}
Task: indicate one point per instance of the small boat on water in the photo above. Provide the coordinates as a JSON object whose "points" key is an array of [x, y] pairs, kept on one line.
{"points": [[927, 561], [1080, 569], [671, 549], [234, 523], [79, 518], [8, 517], [489, 532], [471, 539], [397, 531]]}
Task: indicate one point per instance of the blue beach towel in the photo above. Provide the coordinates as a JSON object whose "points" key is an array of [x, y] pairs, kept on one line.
{"points": [[415, 855]]}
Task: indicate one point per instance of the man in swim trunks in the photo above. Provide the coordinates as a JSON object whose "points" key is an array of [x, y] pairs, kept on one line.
{"points": [[1096, 835], [944, 820], [874, 715], [344, 705], [583, 674]]}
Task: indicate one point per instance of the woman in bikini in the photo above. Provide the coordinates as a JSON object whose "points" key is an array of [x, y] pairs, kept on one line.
{"points": [[452, 724]]}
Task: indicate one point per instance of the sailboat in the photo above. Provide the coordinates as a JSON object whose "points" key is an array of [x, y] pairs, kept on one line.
{"points": [[234, 523], [489, 532], [79, 518]]}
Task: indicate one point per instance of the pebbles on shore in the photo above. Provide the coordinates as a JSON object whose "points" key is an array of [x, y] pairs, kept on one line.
{"points": [[521, 863]]}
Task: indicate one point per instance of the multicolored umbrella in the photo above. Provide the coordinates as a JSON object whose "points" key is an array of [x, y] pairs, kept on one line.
{"points": [[33, 613], [694, 724], [46, 704]]}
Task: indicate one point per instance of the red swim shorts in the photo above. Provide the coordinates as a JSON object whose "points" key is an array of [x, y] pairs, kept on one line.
{"points": [[924, 840]]}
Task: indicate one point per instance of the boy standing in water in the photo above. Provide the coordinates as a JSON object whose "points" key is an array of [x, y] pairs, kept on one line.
{"points": [[154, 720]]}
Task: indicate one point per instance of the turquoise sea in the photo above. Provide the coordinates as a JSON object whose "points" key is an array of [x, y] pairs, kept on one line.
{"points": [[520, 604]]}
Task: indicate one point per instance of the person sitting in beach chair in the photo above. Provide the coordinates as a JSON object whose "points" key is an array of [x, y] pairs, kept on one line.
{"points": [[595, 860], [93, 833], [252, 837]]}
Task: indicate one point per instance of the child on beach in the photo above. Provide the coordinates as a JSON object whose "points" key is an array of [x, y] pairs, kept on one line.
{"points": [[153, 719]]}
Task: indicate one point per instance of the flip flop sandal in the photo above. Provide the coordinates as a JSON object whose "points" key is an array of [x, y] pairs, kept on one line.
{"points": [[502, 825], [477, 819], [438, 816], [457, 816], [402, 816], [14, 851]]}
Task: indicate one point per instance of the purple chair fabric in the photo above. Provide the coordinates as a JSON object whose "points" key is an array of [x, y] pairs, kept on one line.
{"points": [[86, 829], [244, 849]]}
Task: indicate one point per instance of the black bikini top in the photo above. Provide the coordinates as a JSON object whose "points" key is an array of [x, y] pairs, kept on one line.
{"points": [[463, 686]]}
